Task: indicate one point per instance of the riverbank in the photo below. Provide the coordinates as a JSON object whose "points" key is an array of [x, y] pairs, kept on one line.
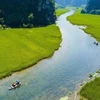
{"points": [[89, 20], [91, 89], [22, 48]]}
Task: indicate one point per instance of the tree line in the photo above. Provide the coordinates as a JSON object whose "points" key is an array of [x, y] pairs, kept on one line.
{"points": [[27, 13], [93, 7]]}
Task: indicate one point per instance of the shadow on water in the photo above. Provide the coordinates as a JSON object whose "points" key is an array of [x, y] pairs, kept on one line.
{"points": [[53, 78]]}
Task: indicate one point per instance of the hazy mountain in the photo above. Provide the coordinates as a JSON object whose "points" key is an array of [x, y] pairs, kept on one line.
{"points": [[93, 7], [71, 2]]}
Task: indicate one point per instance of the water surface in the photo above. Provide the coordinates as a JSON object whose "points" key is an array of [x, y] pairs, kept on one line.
{"points": [[53, 78]]}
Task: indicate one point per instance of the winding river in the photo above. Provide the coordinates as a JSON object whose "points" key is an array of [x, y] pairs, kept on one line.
{"points": [[54, 77]]}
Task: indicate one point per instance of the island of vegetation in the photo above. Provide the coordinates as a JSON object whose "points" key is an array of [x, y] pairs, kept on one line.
{"points": [[91, 21], [27, 33], [91, 90], [89, 17]]}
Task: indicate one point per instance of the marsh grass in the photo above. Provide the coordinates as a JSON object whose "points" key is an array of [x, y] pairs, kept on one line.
{"points": [[91, 90], [21, 48], [91, 21]]}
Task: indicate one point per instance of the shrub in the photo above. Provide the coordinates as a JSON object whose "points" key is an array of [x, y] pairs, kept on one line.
{"points": [[98, 11], [27, 25], [83, 11], [93, 12], [91, 75]]}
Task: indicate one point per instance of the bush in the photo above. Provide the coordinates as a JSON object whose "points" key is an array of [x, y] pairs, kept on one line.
{"points": [[98, 11], [93, 12], [30, 25], [91, 90], [27, 25], [91, 75], [1, 20], [83, 11]]}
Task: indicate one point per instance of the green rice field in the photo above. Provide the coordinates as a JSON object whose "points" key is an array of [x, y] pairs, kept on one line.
{"points": [[21, 48]]}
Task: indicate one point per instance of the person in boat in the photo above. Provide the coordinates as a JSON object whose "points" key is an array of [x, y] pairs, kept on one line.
{"points": [[17, 82], [96, 43], [13, 84]]}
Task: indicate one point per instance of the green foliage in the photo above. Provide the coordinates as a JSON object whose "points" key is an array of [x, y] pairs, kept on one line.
{"points": [[91, 75], [89, 20], [98, 71], [2, 20], [83, 11], [15, 13], [93, 7], [57, 6], [81, 99], [30, 17], [27, 25], [1, 27], [91, 90], [20, 48]]}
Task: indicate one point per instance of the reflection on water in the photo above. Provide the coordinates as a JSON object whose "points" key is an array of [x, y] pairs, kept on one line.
{"points": [[53, 78]]}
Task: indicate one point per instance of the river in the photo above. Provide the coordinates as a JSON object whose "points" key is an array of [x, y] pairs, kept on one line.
{"points": [[54, 77]]}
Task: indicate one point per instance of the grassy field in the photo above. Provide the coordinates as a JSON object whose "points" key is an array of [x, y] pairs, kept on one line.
{"points": [[91, 21], [91, 90], [21, 48], [61, 11]]}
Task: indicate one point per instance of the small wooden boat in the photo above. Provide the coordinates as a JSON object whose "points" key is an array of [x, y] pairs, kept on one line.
{"points": [[96, 43], [14, 87]]}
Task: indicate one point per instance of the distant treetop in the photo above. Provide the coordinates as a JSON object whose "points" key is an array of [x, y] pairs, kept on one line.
{"points": [[93, 7]]}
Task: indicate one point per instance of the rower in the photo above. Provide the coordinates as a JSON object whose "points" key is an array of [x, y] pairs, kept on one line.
{"points": [[13, 84], [17, 82]]}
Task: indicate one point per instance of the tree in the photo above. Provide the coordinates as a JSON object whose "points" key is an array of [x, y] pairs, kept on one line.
{"points": [[93, 7], [18, 13]]}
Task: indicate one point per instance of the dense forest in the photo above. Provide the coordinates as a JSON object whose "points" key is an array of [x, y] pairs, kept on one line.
{"points": [[93, 7], [71, 2], [26, 13]]}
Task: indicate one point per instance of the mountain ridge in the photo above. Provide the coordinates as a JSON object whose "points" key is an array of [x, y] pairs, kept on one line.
{"points": [[71, 2]]}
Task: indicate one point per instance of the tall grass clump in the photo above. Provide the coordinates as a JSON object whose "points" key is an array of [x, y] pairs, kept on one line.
{"points": [[91, 90]]}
